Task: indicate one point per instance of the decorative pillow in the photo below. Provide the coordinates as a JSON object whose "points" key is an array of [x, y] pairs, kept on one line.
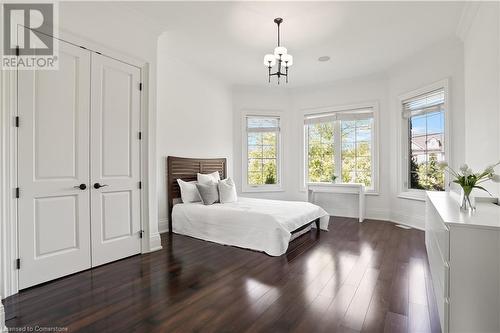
{"points": [[227, 191], [209, 193], [189, 192], [209, 178]]}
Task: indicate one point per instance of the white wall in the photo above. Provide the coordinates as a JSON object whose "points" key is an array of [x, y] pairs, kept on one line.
{"points": [[290, 103], [195, 117], [255, 100], [440, 61], [482, 68], [343, 93], [482, 89]]}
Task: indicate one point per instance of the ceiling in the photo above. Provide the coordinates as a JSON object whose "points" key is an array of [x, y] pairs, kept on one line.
{"points": [[229, 39]]}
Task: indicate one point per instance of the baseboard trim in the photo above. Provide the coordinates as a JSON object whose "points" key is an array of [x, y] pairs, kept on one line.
{"points": [[416, 222], [155, 242], [369, 215], [163, 225]]}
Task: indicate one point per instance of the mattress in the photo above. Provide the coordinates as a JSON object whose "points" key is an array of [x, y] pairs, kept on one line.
{"points": [[256, 224]]}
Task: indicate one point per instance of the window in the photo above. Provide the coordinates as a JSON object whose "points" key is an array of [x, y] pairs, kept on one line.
{"points": [[262, 151], [339, 147], [320, 152], [424, 117]]}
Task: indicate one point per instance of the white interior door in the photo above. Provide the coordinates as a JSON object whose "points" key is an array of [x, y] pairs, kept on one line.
{"points": [[53, 148], [115, 160]]}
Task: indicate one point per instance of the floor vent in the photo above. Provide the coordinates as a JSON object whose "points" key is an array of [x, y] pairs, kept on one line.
{"points": [[403, 226]]}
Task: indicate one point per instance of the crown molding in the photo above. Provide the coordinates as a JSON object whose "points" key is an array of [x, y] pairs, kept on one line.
{"points": [[469, 12]]}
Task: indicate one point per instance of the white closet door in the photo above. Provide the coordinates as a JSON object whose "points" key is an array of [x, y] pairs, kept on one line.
{"points": [[115, 121], [53, 148]]}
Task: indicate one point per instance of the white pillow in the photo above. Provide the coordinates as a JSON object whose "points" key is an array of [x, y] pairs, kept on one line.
{"points": [[189, 192], [209, 178], [227, 191]]}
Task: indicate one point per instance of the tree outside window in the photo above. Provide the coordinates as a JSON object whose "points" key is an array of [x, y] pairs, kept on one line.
{"points": [[356, 151], [320, 152]]}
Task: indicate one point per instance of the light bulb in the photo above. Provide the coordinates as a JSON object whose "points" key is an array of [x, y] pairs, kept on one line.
{"points": [[269, 60], [287, 60], [280, 50]]}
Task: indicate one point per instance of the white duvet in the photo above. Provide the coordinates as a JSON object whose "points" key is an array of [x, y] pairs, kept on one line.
{"points": [[257, 224]]}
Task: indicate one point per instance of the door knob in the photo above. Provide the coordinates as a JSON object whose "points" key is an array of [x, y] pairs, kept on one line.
{"points": [[97, 185], [81, 187]]}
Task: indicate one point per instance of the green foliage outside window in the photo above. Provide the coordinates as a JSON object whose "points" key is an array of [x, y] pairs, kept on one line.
{"points": [[427, 175], [321, 167], [262, 158], [356, 151], [355, 155], [426, 139], [356, 164]]}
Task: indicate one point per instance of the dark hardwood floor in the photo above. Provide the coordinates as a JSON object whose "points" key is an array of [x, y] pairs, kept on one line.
{"points": [[368, 277]]}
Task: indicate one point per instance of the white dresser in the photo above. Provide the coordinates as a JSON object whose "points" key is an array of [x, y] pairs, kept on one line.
{"points": [[464, 259]]}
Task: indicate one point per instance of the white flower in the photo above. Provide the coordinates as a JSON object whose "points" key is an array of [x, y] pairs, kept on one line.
{"points": [[468, 172], [489, 169], [496, 178], [464, 168]]}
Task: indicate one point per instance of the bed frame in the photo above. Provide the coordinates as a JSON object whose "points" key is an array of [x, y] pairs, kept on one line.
{"points": [[187, 170]]}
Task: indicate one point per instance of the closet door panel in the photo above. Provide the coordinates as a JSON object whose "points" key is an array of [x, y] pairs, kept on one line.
{"points": [[53, 155], [115, 154]]}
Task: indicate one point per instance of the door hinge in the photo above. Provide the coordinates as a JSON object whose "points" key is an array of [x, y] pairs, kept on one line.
{"points": [[17, 192], [140, 86], [140, 185], [17, 51], [18, 263], [141, 233], [17, 121], [140, 135]]}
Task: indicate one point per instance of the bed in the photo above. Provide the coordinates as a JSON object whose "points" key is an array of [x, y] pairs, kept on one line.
{"points": [[257, 224]]}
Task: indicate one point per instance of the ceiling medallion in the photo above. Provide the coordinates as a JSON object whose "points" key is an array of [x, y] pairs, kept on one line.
{"points": [[280, 56]]}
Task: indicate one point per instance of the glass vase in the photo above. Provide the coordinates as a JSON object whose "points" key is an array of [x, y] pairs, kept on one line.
{"points": [[467, 202]]}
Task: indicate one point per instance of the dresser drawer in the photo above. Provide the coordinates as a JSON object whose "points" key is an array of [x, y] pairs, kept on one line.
{"points": [[443, 306], [435, 228], [440, 269], [440, 272]]}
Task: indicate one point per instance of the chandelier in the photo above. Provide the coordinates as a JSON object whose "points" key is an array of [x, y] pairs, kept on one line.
{"points": [[280, 56]]}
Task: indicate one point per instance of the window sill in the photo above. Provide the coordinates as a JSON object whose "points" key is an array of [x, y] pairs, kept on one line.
{"points": [[417, 196], [370, 192]]}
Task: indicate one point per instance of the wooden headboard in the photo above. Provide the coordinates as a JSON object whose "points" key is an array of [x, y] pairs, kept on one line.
{"points": [[186, 169]]}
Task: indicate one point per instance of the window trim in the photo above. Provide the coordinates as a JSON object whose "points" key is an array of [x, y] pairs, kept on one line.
{"points": [[403, 151], [245, 187], [374, 105]]}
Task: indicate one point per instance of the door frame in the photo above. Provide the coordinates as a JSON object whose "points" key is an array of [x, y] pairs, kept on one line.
{"points": [[9, 275]]}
